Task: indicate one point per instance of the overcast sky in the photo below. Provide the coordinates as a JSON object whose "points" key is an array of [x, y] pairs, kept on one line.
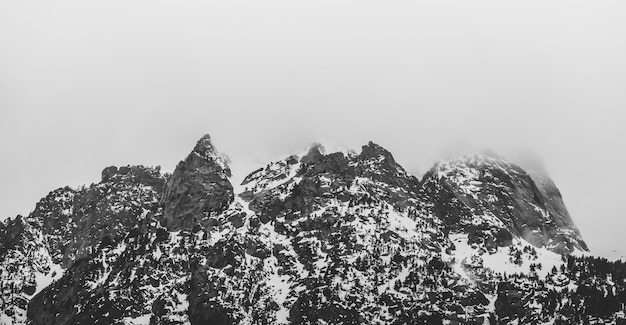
{"points": [[85, 85]]}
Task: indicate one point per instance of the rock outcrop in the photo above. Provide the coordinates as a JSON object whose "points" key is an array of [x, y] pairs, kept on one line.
{"points": [[493, 199], [69, 225], [315, 238], [198, 189]]}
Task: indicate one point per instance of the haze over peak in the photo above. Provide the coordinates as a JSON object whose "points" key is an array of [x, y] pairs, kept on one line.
{"points": [[316, 237]]}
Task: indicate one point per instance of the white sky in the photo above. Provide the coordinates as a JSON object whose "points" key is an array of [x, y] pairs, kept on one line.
{"points": [[85, 85]]}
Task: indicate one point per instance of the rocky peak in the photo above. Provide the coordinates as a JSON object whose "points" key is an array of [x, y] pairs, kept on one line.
{"points": [[314, 154], [148, 176], [300, 186], [474, 192], [315, 238], [206, 157], [378, 163], [75, 221], [198, 188], [372, 150], [336, 164]]}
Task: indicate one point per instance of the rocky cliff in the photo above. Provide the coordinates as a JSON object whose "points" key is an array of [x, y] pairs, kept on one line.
{"points": [[198, 189], [490, 198], [315, 238], [69, 225]]}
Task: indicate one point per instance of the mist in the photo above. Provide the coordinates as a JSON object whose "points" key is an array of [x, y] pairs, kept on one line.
{"points": [[87, 85]]}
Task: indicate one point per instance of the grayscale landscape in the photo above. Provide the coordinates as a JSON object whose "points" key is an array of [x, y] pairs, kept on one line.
{"points": [[312, 163]]}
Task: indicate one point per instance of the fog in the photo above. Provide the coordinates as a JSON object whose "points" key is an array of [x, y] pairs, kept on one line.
{"points": [[87, 85]]}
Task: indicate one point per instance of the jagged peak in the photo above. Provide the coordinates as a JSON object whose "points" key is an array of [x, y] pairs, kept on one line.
{"points": [[373, 150], [114, 172], [205, 149], [314, 154], [198, 187], [204, 145], [479, 159], [485, 178], [329, 148], [303, 217], [20, 221], [373, 162]]}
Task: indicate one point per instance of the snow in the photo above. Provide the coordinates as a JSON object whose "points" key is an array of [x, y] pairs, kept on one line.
{"points": [[183, 302], [119, 249], [420, 239], [462, 252], [392, 282], [611, 255], [273, 175], [279, 285], [329, 146], [218, 235], [43, 280], [157, 254], [140, 320], [499, 261], [401, 222]]}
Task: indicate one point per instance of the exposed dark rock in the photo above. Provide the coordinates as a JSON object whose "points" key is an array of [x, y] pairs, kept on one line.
{"points": [[198, 188], [340, 238], [42, 311], [509, 304], [108, 172], [471, 194], [77, 220], [11, 234]]}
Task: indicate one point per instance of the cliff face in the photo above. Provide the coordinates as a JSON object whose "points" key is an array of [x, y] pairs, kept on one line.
{"points": [[198, 189], [68, 225], [146, 275], [315, 238], [487, 196]]}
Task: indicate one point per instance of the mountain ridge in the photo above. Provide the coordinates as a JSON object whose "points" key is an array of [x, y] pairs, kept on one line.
{"points": [[313, 238]]}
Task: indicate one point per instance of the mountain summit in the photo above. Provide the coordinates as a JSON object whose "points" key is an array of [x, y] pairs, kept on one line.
{"points": [[198, 188], [314, 238], [488, 196]]}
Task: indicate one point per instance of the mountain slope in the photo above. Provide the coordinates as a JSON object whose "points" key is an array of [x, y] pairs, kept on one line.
{"points": [[493, 199], [313, 238], [68, 225]]}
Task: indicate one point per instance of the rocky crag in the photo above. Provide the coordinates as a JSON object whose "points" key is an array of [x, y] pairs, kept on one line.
{"points": [[315, 238]]}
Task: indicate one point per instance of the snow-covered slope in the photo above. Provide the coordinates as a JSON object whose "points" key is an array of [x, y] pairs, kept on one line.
{"points": [[26, 268], [315, 238], [70, 225], [494, 201]]}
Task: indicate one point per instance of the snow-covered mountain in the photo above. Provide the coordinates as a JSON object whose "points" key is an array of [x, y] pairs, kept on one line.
{"points": [[314, 238], [493, 201]]}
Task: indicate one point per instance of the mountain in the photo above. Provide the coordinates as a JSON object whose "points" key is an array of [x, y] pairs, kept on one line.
{"points": [[494, 200], [314, 238], [68, 226]]}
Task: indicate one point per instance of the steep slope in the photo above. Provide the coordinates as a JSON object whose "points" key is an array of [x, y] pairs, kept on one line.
{"points": [[493, 201], [198, 189], [315, 238], [344, 226], [26, 267], [68, 225], [345, 232], [146, 276]]}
